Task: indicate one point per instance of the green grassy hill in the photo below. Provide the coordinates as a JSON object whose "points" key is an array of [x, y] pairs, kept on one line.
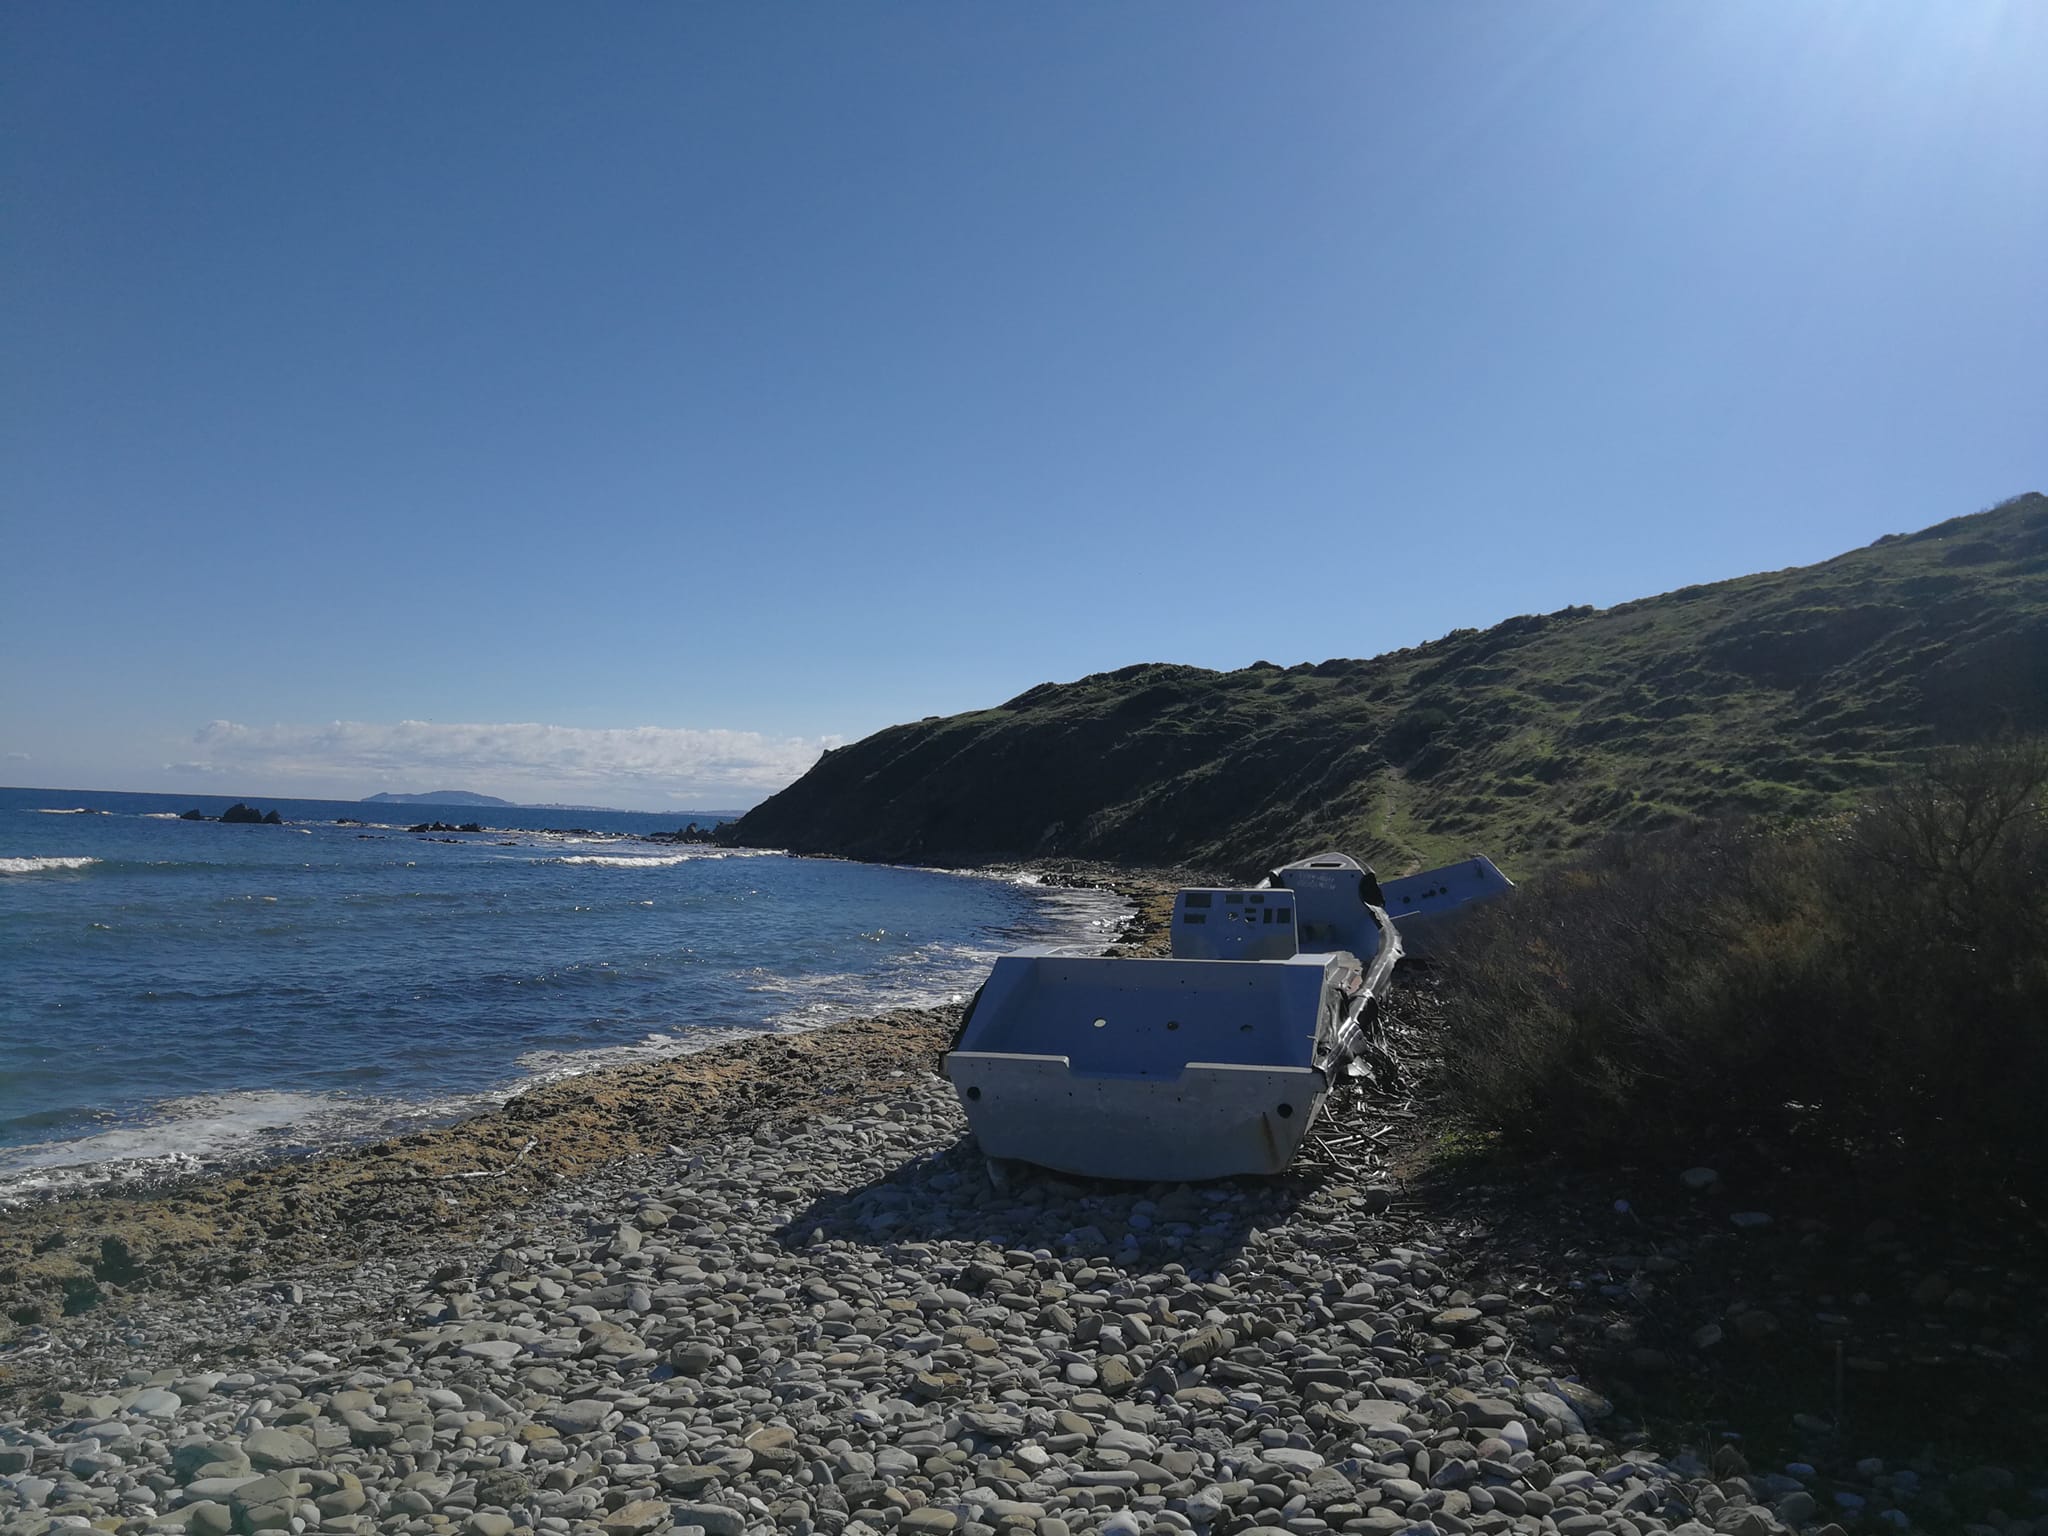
{"points": [[1786, 691]]}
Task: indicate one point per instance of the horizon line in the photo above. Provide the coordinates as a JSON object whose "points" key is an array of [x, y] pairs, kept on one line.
{"points": [[510, 805]]}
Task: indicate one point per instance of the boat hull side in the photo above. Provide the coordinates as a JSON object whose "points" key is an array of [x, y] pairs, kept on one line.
{"points": [[1214, 1120]]}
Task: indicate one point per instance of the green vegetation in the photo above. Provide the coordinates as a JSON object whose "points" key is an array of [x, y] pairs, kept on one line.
{"points": [[1864, 997], [1792, 691]]}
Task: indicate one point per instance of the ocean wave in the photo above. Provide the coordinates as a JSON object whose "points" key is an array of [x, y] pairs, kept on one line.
{"points": [[915, 965], [1066, 900], [621, 861], [808, 1002], [652, 860], [35, 866], [186, 1125], [76, 810], [212, 1132], [547, 1066]]}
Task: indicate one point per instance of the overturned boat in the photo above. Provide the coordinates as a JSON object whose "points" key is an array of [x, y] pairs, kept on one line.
{"points": [[1215, 1061]]}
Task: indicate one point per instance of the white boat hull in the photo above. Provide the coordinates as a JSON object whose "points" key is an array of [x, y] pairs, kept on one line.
{"points": [[1214, 1120], [1206, 1065]]}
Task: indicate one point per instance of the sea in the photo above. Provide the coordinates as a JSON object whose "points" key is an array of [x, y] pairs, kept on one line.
{"points": [[177, 996]]}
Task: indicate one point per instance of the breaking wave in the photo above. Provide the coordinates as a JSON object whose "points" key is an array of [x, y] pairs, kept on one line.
{"points": [[650, 860], [210, 1132], [42, 865], [622, 861], [547, 1066]]}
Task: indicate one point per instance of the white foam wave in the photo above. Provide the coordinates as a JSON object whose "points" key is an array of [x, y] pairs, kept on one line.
{"points": [[922, 978], [926, 974], [160, 816], [621, 861], [205, 1119], [775, 984], [547, 1066], [213, 1131], [50, 810], [652, 860], [40, 866]]}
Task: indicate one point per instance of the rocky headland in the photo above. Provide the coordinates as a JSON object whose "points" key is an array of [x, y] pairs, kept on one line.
{"points": [[1784, 693]]}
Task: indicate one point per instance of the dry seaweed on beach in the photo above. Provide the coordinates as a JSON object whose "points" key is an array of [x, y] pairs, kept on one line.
{"points": [[75, 1253]]}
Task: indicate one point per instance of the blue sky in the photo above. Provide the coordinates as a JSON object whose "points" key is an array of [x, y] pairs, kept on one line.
{"points": [[614, 403]]}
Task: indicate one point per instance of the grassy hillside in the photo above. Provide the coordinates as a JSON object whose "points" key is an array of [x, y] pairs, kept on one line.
{"points": [[1779, 692]]}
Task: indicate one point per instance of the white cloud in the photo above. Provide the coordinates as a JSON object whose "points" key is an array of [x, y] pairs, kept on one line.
{"points": [[712, 768], [17, 757]]}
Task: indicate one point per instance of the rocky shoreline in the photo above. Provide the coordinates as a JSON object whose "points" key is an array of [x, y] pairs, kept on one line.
{"points": [[835, 1322], [71, 1254], [772, 1287], [103, 1246]]}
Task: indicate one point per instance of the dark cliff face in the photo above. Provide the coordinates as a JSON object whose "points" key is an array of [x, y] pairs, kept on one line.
{"points": [[1786, 691]]}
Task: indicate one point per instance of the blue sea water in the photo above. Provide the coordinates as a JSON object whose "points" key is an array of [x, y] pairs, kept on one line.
{"points": [[176, 994]]}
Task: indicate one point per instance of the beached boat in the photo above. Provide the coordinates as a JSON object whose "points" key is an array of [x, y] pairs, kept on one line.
{"points": [[1213, 1062]]}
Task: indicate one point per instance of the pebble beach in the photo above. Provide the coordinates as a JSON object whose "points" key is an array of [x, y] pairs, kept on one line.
{"points": [[842, 1326], [744, 1295]]}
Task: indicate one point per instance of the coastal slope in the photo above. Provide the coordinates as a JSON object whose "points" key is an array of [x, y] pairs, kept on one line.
{"points": [[1784, 691]]}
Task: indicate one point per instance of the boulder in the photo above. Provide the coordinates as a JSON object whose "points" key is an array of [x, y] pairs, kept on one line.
{"points": [[208, 1458], [1374, 1416], [637, 1518], [581, 1417], [715, 1519], [271, 1449], [156, 1403], [265, 1503]]}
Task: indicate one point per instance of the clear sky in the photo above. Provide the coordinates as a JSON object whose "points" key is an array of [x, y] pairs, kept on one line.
{"points": [[611, 403]]}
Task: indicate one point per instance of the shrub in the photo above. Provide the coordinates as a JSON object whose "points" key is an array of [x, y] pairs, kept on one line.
{"points": [[1872, 989], [1412, 730]]}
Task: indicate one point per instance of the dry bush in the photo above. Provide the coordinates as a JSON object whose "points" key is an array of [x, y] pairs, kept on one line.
{"points": [[1872, 990]]}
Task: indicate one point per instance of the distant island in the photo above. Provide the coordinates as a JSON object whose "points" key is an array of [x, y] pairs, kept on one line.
{"points": [[437, 797], [471, 797]]}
